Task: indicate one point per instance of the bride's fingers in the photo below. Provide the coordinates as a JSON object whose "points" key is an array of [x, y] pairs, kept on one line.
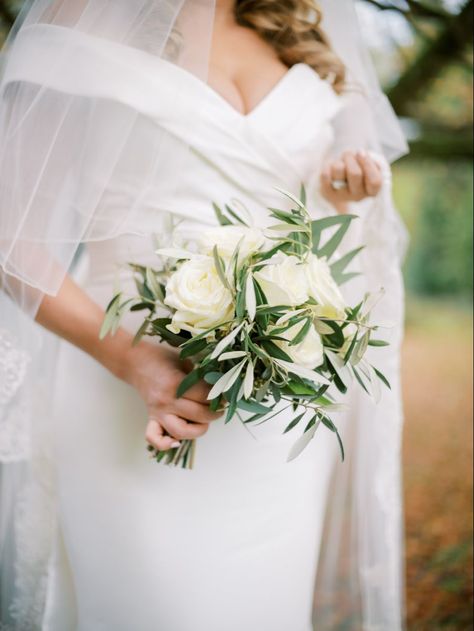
{"points": [[372, 174], [181, 429], [355, 175], [155, 436], [196, 412], [338, 171]]}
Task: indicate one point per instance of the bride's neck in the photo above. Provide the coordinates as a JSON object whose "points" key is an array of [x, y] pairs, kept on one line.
{"points": [[225, 11]]}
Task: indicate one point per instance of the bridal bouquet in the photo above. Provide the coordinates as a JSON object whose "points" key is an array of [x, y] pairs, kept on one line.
{"points": [[261, 315]]}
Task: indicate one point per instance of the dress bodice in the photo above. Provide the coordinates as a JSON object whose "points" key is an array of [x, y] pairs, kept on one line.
{"points": [[214, 152], [281, 143]]}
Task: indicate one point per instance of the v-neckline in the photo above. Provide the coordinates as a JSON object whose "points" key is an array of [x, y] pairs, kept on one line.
{"points": [[224, 103], [267, 97]]}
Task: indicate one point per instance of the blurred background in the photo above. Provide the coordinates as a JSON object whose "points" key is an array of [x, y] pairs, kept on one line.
{"points": [[423, 52]]}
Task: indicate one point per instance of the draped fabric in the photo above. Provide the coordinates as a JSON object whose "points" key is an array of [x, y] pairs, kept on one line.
{"points": [[103, 115]]}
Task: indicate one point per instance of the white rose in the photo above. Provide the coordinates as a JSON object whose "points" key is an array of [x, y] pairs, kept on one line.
{"points": [[228, 237], [324, 289], [309, 353], [284, 282], [199, 297]]}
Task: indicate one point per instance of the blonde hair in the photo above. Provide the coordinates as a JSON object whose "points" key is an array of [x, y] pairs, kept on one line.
{"points": [[292, 27]]}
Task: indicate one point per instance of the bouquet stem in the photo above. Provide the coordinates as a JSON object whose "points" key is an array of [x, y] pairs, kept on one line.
{"points": [[183, 456]]}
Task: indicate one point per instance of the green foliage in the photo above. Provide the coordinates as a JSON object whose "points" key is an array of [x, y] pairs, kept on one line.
{"points": [[437, 202]]}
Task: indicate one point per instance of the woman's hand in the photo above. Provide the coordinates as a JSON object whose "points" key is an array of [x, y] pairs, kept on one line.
{"points": [[156, 372], [351, 178]]}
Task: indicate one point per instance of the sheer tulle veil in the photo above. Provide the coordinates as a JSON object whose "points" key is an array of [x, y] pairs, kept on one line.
{"points": [[80, 159]]}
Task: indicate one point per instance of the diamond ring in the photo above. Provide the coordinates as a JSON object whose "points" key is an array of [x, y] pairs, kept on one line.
{"points": [[339, 185]]}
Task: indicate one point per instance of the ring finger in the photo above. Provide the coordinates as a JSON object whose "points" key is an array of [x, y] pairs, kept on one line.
{"points": [[338, 171], [355, 176]]}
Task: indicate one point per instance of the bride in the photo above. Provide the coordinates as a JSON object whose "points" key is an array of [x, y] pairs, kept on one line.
{"points": [[117, 121]]}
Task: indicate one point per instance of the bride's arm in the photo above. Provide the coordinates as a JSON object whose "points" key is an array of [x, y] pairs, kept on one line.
{"points": [[155, 371]]}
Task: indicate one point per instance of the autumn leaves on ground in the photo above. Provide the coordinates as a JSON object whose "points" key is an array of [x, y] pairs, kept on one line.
{"points": [[438, 467]]}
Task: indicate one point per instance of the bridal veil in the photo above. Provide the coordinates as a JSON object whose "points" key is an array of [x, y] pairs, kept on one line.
{"points": [[82, 164]]}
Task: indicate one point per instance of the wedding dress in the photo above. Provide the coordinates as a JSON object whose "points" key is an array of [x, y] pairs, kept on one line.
{"points": [[236, 543]]}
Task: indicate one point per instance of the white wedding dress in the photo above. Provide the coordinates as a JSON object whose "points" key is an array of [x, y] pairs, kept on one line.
{"points": [[234, 544]]}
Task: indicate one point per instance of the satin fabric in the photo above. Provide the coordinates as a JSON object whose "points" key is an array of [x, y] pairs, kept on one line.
{"points": [[234, 543]]}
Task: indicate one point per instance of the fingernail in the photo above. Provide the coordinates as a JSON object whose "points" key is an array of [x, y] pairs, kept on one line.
{"points": [[175, 445]]}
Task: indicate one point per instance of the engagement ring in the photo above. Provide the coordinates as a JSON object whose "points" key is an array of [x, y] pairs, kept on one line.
{"points": [[338, 185]]}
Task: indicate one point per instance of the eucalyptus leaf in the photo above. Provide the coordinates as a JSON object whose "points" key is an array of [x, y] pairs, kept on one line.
{"points": [[262, 392], [378, 343], [360, 349], [111, 316], [188, 382], [359, 379], [276, 393], [212, 377], [339, 266], [342, 279], [193, 349], [260, 353], [231, 355], [337, 336], [142, 306], [298, 339], [235, 215], [226, 381], [250, 297], [339, 367], [264, 310], [284, 216], [275, 351], [219, 264], [371, 301], [288, 316], [297, 201], [253, 407], [141, 332], [322, 327], [382, 378], [375, 385], [227, 341], [303, 196], [300, 371], [160, 328], [294, 422], [249, 380], [320, 225], [350, 350], [303, 442], [301, 389], [221, 218], [285, 227], [330, 425]]}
